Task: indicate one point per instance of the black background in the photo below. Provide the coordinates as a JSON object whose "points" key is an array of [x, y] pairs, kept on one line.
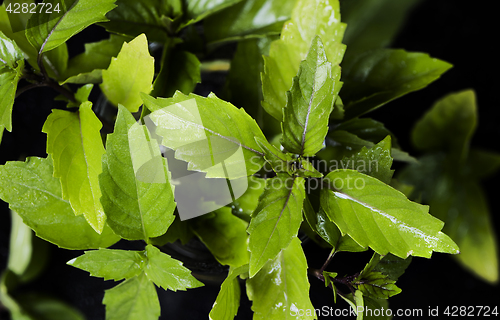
{"points": [[463, 33]]}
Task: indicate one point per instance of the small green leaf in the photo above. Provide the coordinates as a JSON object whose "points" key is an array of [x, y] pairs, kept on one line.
{"points": [[74, 141], [309, 18], [224, 235], [168, 273], [374, 78], [32, 191], [46, 31], [129, 74], [8, 86], [134, 179], [110, 264], [281, 287], [329, 276], [279, 161], [133, 299], [449, 125], [377, 285], [376, 215], [310, 102], [228, 300], [372, 309], [207, 130], [276, 219], [81, 96]]}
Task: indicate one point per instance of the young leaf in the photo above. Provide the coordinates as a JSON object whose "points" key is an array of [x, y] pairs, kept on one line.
{"points": [[224, 235], [376, 215], [279, 161], [32, 191], [376, 285], [370, 309], [449, 125], [129, 74], [202, 130], [134, 180], [276, 220], [46, 31], [228, 300], [374, 78], [74, 141], [168, 273], [310, 102], [87, 67], [110, 264], [309, 18], [282, 287], [133, 299]]}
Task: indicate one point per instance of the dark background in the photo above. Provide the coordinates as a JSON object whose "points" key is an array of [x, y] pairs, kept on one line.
{"points": [[463, 33]]}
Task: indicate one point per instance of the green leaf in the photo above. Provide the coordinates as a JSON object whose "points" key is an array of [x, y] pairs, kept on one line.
{"points": [[309, 18], [168, 273], [367, 129], [156, 18], [134, 179], [187, 122], [8, 86], [133, 299], [376, 215], [20, 248], [228, 300], [197, 10], [389, 265], [110, 264], [249, 18], [224, 235], [74, 141], [281, 287], [245, 205], [310, 102], [46, 31], [10, 53], [377, 285], [373, 23], [178, 230], [369, 307], [276, 219], [129, 74], [449, 125], [374, 78], [375, 162], [81, 96], [32, 191], [280, 162], [87, 67]]}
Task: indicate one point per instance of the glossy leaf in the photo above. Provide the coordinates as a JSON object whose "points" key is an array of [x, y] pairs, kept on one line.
{"points": [[168, 273], [87, 67], [32, 191], [134, 179], [310, 102], [376, 215], [281, 287], [185, 123], [46, 31], [377, 285], [224, 235], [110, 264], [449, 125], [249, 18], [133, 299], [197, 10], [389, 265], [74, 141], [367, 129], [228, 300], [309, 18], [129, 74], [276, 219], [374, 78]]}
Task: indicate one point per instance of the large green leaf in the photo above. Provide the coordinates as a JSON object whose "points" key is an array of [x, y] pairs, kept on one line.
{"points": [[32, 191], [376, 77], [110, 264], [449, 125], [185, 124], [249, 18], [46, 31], [87, 67], [74, 141], [281, 288], [129, 74], [228, 300], [310, 102], [276, 219], [309, 18], [133, 299], [134, 180], [224, 235], [376, 215], [197, 10]]}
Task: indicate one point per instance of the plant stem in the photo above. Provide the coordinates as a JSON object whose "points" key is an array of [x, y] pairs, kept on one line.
{"points": [[328, 260]]}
